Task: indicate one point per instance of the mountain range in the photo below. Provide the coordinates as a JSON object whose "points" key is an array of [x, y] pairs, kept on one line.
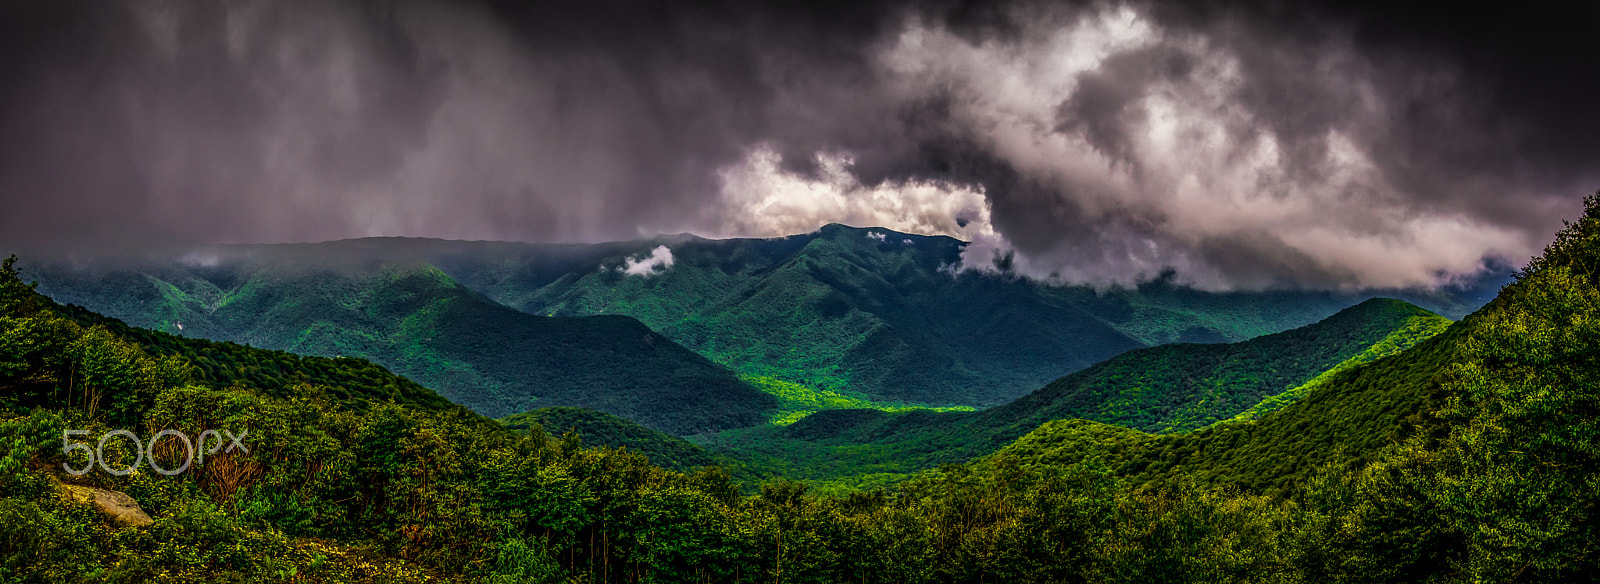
{"points": [[680, 333]]}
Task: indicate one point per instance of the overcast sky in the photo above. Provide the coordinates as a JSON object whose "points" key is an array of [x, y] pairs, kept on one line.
{"points": [[1245, 145]]}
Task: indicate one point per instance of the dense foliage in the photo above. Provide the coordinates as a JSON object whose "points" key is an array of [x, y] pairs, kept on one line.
{"points": [[416, 320], [602, 429]]}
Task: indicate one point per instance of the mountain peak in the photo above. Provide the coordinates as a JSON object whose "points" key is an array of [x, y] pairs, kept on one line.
{"points": [[832, 228], [1379, 305]]}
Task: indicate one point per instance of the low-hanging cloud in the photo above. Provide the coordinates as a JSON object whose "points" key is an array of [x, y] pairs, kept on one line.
{"points": [[1102, 142], [760, 198], [659, 260]]}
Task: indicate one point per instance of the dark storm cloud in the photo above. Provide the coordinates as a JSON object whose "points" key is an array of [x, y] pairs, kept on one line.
{"points": [[1256, 146], [1243, 144], [270, 121]]}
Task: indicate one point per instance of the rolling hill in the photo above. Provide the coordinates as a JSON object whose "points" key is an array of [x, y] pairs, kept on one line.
{"points": [[1167, 389], [415, 320], [1348, 421]]}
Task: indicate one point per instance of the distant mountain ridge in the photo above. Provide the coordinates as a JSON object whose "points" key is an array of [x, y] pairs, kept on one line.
{"points": [[882, 314]]}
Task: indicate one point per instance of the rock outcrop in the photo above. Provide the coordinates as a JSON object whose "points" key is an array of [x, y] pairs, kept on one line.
{"points": [[116, 505]]}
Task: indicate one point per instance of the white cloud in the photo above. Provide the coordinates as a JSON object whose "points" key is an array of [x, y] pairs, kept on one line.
{"points": [[880, 236], [201, 259], [764, 200], [659, 259]]}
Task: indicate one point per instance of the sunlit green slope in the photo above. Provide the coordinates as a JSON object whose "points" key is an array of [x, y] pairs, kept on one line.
{"points": [[601, 429], [1346, 420]]}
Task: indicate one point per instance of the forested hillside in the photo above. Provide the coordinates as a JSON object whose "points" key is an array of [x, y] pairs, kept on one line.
{"points": [[844, 312], [839, 316], [54, 354], [415, 320], [1171, 388], [1473, 456], [348, 380], [1347, 422]]}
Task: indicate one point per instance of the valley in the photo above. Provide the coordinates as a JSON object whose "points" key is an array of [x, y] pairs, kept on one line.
{"points": [[1362, 447], [1171, 390]]}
